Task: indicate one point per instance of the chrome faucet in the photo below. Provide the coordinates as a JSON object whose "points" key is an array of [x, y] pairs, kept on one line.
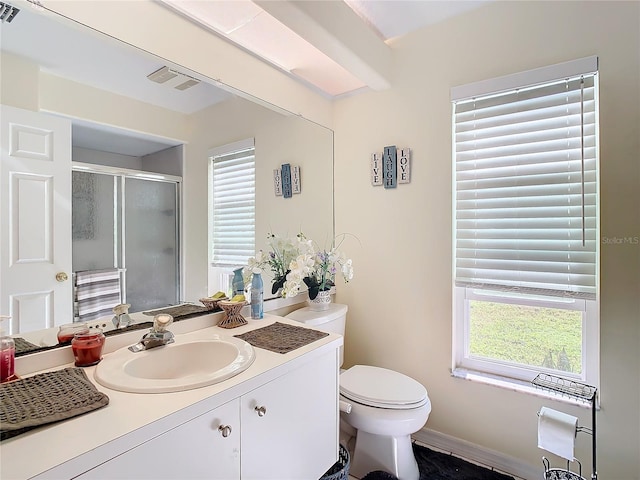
{"points": [[157, 336]]}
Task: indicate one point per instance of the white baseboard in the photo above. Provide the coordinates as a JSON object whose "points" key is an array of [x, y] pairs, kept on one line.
{"points": [[478, 454]]}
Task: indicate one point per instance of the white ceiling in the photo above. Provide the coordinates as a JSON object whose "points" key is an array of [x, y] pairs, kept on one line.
{"points": [[333, 47], [395, 18]]}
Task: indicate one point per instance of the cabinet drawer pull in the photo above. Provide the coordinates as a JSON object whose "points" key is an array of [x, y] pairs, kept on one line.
{"points": [[225, 430], [261, 411]]}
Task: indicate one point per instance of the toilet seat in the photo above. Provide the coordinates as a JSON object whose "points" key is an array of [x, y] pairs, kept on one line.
{"points": [[382, 388]]}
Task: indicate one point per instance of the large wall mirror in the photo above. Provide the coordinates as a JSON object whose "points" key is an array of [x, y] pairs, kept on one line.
{"points": [[123, 123]]}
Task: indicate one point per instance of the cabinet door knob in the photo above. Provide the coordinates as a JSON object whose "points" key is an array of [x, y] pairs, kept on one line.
{"points": [[225, 430], [261, 411], [61, 277]]}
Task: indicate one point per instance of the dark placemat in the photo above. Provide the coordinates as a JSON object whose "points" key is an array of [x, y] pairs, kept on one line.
{"points": [[129, 328], [281, 337], [46, 398], [181, 311], [23, 346]]}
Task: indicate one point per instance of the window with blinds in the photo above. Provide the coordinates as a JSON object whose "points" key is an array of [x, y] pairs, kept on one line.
{"points": [[526, 189], [233, 206], [525, 153]]}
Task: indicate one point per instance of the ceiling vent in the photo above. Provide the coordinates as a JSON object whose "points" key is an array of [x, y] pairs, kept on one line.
{"points": [[172, 78], [7, 12]]}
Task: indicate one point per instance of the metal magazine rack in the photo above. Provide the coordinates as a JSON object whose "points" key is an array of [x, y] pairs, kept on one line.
{"points": [[579, 391]]}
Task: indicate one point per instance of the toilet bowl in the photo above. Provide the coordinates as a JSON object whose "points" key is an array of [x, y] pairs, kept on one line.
{"points": [[386, 408], [383, 406]]}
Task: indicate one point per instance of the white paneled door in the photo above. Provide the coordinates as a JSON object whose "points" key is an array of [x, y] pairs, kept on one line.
{"points": [[35, 225]]}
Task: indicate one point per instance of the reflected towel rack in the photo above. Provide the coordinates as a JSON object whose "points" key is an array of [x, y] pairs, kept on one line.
{"points": [[579, 391], [121, 275]]}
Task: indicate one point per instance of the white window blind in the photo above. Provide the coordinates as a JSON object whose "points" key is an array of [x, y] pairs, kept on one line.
{"points": [[526, 189], [233, 207]]}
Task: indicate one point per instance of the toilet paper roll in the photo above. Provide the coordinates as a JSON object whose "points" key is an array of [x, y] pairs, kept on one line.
{"points": [[557, 432]]}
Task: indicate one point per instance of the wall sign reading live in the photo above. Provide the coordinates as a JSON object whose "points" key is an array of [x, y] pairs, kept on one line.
{"points": [[286, 180], [391, 167]]}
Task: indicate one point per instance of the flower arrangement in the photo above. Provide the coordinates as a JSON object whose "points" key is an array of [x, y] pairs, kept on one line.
{"points": [[315, 268], [283, 252], [298, 261]]}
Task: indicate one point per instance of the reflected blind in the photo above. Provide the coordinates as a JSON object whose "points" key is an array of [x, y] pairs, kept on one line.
{"points": [[234, 207], [526, 189]]}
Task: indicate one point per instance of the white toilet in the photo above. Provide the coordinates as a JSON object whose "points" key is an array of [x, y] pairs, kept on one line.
{"points": [[386, 407]]}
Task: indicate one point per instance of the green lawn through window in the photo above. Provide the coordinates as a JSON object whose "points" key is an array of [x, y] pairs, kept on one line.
{"points": [[534, 336]]}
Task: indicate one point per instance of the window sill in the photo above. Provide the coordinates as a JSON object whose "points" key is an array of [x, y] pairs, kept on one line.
{"points": [[516, 386]]}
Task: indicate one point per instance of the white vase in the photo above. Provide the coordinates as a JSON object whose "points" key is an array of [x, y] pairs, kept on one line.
{"points": [[321, 302]]}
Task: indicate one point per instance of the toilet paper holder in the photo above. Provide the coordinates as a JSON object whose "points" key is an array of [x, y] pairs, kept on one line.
{"points": [[579, 428], [579, 391]]}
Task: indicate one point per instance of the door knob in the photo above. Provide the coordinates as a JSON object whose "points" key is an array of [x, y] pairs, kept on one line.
{"points": [[261, 411], [61, 277], [225, 430]]}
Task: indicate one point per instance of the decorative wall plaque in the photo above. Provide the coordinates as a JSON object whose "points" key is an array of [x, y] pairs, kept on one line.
{"points": [[391, 168]]}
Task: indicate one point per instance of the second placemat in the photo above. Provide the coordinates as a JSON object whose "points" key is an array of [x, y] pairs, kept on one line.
{"points": [[281, 337]]}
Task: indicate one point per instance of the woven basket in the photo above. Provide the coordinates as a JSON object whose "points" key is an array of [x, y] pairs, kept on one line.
{"points": [[340, 469], [232, 317], [562, 474], [212, 303]]}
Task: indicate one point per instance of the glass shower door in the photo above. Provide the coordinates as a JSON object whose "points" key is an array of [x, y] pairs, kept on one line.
{"points": [[150, 243], [94, 221]]}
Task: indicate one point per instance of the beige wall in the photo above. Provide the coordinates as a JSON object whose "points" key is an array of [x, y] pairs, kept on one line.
{"points": [[400, 301], [19, 86]]}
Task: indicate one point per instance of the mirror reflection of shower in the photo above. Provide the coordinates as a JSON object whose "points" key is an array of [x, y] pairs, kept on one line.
{"points": [[124, 241]]}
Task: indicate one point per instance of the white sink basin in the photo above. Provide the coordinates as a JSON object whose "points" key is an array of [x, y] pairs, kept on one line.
{"points": [[175, 367]]}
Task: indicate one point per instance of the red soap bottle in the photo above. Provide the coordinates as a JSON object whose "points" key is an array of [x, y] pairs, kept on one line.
{"points": [[7, 355]]}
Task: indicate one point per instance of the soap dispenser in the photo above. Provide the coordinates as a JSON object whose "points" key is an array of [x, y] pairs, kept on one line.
{"points": [[238, 282], [7, 354]]}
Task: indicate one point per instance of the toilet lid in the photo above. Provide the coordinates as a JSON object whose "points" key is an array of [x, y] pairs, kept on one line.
{"points": [[379, 387]]}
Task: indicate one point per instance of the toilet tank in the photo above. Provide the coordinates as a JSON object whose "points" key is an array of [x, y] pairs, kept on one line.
{"points": [[331, 320]]}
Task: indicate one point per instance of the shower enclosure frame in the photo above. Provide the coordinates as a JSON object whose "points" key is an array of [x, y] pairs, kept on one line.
{"points": [[119, 253]]}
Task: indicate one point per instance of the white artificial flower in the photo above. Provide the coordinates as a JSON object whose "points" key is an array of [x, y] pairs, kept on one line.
{"points": [[347, 270]]}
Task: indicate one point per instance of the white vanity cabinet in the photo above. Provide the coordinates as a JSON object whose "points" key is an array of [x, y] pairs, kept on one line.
{"points": [[285, 429], [207, 446], [290, 425]]}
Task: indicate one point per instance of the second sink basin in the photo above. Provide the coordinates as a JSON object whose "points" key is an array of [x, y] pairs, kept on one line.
{"points": [[175, 367]]}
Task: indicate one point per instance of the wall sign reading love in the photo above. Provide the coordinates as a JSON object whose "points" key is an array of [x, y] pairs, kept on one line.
{"points": [[391, 167], [286, 180]]}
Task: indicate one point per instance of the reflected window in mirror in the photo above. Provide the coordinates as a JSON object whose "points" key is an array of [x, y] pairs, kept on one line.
{"points": [[232, 211]]}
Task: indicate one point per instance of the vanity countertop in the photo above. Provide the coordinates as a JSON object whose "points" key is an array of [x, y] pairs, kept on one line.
{"points": [[37, 451]]}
